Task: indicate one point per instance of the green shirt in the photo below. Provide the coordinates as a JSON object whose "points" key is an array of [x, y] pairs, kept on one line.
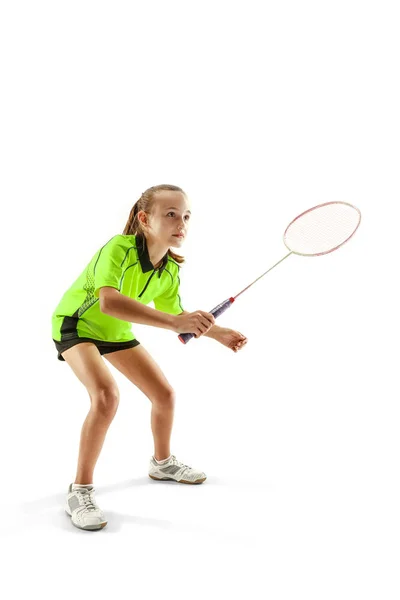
{"points": [[122, 263]]}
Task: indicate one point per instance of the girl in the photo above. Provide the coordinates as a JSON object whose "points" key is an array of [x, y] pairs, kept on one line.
{"points": [[93, 319]]}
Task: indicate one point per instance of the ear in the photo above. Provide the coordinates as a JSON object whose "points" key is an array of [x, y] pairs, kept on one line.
{"points": [[142, 217]]}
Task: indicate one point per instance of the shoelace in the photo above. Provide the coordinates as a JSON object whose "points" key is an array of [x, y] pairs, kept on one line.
{"points": [[176, 462], [87, 499]]}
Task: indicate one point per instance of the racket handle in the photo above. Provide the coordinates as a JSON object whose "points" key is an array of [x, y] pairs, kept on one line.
{"points": [[216, 311]]}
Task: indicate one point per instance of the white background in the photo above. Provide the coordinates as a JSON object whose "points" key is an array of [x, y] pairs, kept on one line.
{"points": [[258, 110]]}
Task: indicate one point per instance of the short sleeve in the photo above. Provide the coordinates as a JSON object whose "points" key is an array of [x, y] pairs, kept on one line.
{"points": [[170, 300], [109, 265]]}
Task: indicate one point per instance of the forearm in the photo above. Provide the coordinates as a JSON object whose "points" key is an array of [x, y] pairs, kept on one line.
{"points": [[212, 332], [133, 311]]}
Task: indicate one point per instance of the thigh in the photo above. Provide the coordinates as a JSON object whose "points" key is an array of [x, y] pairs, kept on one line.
{"points": [[87, 364], [142, 370]]}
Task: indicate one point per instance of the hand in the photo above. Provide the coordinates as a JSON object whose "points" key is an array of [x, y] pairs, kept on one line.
{"points": [[198, 323], [231, 338]]}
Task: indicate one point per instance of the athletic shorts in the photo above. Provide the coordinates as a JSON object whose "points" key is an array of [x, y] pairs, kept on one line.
{"points": [[102, 346]]}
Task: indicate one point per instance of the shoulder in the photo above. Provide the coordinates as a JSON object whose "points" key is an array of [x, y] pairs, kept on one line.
{"points": [[127, 240], [172, 271], [172, 264], [121, 241], [173, 267]]}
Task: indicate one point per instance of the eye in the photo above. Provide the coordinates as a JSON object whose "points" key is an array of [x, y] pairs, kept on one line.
{"points": [[187, 217]]}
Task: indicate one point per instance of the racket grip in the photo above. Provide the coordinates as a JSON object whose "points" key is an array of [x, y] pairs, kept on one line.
{"points": [[216, 311]]}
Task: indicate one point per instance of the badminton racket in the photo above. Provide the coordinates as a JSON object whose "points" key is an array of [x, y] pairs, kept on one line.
{"points": [[317, 231]]}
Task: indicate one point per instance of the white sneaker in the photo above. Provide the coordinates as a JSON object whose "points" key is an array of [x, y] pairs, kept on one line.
{"points": [[82, 508], [175, 471]]}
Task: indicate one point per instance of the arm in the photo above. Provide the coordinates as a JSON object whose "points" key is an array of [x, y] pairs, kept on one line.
{"points": [[115, 304], [228, 337], [212, 332]]}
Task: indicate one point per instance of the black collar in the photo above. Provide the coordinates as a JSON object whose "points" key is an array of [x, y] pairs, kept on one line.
{"points": [[145, 262]]}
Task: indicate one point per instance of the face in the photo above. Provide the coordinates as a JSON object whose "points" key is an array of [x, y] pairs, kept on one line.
{"points": [[170, 216]]}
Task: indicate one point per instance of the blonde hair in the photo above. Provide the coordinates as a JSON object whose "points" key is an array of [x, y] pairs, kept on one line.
{"points": [[145, 203]]}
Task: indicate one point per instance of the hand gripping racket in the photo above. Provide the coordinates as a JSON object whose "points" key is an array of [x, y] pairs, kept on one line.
{"points": [[318, 230]]}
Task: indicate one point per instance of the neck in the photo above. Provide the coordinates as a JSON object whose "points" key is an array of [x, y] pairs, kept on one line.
{"points": [[156, 252]]}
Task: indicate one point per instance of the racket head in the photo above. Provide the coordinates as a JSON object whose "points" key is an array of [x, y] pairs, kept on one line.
{"points": [[322, 228]]}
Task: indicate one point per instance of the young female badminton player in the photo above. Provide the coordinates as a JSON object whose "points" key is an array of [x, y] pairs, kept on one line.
{"points": [[94, 318]]}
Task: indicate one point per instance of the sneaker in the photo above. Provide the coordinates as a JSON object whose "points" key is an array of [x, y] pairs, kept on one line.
{"points": [[82, 508], [175, 471]]}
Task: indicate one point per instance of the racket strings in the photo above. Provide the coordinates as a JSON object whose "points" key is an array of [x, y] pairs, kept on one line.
{"points": [[322, 228]]}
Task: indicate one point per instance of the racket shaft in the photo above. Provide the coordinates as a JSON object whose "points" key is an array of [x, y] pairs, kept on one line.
{"points": [[216, 311]]}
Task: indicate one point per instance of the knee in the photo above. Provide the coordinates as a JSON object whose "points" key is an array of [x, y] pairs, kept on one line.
{"points": [[165, 398], [105, 401]]}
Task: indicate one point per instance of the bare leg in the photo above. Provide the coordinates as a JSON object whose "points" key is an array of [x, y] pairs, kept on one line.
{"points": [[141, 369], [87, 364], [161, 425], [93, 434]]}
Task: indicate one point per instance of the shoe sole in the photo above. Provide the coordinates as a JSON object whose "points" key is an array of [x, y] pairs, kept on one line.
{"points": [[87, 527], [180, 481]]}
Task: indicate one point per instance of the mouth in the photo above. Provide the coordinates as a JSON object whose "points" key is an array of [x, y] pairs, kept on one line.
{"points": [[179, 235]]}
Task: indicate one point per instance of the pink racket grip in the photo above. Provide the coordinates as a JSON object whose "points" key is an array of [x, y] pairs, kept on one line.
{"points": [[218, 310]]}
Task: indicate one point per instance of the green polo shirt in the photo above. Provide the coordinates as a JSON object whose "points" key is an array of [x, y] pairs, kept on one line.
{"points": [[122, 263]]}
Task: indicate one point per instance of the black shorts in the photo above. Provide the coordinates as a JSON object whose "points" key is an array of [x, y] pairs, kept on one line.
{"points": [[103, 347]]}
